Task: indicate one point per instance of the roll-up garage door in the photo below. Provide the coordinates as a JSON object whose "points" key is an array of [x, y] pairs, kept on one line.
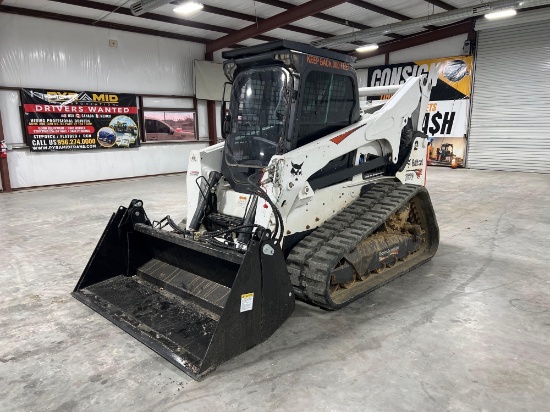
{"points": [[510, 123]]}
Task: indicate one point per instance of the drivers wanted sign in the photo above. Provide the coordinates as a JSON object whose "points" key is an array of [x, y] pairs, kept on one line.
{"points": [[68, 120]]}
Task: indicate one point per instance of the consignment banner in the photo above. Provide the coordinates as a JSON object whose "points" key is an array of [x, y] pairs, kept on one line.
{"points": [[451, 78], [69, 120]]}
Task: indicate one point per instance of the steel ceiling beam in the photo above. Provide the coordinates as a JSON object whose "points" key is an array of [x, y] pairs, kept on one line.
{"points": [[326, 17], [322, 16], [440, 19], [104, 24], [419, 39], [123, 27], [443, 18], [95, 5], [441, 4], [378, 9], [275, 22], [190, 23], [383, 11], [248, 17]]}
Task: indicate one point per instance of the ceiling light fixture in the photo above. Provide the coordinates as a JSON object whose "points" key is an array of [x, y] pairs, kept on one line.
{"points": [[143, 6], [188, 7], [367, 48], [501, 14]]}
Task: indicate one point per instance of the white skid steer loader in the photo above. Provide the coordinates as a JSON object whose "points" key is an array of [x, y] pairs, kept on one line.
{"points": [[310, 196]]}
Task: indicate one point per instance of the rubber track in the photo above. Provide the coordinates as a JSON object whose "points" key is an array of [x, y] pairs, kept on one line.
{"points": [[313, 259]]}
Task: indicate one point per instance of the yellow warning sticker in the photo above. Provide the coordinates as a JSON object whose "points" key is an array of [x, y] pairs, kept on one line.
{"points": [[246, 301]]}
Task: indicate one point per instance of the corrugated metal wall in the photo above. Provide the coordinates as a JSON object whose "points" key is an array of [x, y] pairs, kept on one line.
{"points": [[510, 123]]}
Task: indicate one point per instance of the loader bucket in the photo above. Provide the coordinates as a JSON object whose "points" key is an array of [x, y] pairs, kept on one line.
{"points": [[193, 303]]}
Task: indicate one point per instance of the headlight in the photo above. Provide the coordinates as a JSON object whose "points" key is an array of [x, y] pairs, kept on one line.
{"points": [[284, 57]]}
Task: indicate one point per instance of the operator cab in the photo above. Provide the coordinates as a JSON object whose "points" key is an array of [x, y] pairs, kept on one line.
{"points": [[284, 95]]}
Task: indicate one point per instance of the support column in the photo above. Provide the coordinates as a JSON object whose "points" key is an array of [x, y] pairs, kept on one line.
{"points": [[4, 171], [211, 111]]}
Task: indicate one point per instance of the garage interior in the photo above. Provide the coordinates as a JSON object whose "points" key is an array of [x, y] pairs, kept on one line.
{"points": [[467, 330]]}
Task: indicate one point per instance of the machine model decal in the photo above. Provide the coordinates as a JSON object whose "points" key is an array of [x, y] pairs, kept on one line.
{"points": [[383, 255], [296, 169], [409, 174], [338, 139]]}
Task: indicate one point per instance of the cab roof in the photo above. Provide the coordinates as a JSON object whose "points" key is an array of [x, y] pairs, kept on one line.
{"points": [[286, 45]]}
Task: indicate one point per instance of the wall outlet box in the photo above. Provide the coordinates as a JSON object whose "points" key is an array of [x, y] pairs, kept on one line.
{"points": [[113, 43]]}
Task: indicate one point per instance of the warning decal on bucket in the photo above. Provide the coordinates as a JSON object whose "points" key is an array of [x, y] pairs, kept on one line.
{"points": [[246, 301]]}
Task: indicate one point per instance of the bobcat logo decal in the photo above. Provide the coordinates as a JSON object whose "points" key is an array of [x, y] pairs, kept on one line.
{"points": [[296, 169]]}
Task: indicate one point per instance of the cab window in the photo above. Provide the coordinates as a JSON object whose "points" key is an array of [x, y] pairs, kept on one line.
{"points": [[327, 105]]}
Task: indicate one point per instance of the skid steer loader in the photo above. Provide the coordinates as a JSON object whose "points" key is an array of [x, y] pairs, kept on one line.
{"points": [[310, 196]]}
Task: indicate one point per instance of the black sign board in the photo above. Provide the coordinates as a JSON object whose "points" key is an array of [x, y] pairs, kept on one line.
{"points": [[68, 120]]}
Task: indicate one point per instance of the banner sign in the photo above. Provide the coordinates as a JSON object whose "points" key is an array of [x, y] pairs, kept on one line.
{"points": [[68, 120], [446, 118], [451, 78]]}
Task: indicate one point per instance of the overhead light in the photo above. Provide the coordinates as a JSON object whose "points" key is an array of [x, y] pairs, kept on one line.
{"points": [[367, 48], [188, 7], [501, 14]]}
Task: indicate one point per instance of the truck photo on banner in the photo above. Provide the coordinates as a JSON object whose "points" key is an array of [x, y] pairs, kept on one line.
{"points": [[446, 119], [68, 120]]}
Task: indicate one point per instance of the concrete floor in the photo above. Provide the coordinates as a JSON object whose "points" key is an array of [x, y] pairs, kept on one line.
{"points": [[468, 331]]}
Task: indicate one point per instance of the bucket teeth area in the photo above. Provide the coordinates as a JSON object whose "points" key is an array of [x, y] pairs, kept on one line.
{"points": [[181, 326]]}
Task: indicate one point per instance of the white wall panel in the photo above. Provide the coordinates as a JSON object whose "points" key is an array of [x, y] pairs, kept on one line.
{"points": [[38, 169], [45, 53], [11, 122], [50, 54]]}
